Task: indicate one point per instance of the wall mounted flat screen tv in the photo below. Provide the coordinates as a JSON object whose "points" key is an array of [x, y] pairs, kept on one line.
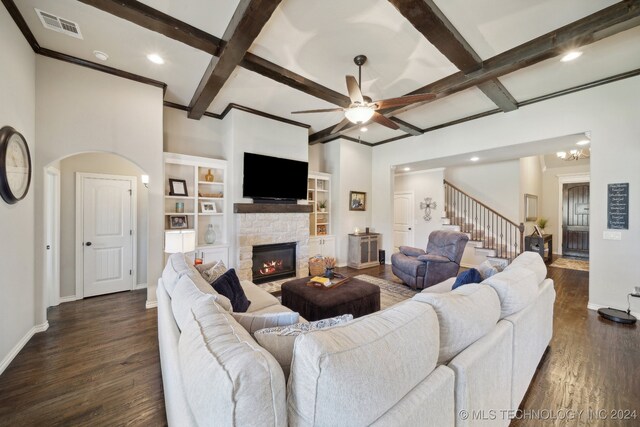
{"points": [[274, 178]]}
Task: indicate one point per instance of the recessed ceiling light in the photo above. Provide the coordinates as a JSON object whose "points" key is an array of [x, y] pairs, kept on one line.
{"points": [[571, 56], [364, 129], [583, 142], [155, 58], [101, 55], [474, 159], [406, 169]]}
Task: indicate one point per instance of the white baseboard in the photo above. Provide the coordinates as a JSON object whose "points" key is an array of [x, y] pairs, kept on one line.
{"points": [[151, 304], [70, 298], [596, 307], [20, 345], [140, 286]]}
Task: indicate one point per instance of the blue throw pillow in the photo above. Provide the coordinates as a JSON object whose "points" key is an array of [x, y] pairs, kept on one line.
{"points": [[229, 285], [469, 276]]}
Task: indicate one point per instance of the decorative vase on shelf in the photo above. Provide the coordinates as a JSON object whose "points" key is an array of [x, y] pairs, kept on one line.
{"points": [[210, 235], [209, 176]]}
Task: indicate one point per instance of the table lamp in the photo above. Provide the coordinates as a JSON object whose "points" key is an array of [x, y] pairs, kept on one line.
{"points": [[179, 241]]}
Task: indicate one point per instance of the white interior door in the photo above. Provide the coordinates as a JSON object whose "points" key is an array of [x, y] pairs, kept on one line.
{"points": [[52, 236], [107, 235], [403, 220]]}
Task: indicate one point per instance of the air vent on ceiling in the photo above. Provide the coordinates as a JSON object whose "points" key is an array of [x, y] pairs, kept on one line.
{"points": [[58, 24]]}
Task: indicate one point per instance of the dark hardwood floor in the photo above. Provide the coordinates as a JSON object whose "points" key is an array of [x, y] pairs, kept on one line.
{"points": [[98, 364]]}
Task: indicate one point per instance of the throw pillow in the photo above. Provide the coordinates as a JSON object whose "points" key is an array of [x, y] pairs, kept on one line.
{"points": [[469, 276], [255, 322], [279, 341], [487, 270], [211, 271], [229, 285]]}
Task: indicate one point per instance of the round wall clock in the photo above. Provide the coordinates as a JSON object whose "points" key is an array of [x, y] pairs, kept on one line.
{"points": [[15, 165]]}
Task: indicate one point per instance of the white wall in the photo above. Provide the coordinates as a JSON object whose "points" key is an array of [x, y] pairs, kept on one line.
{"points": [[530, 183], [494, 184], [81, 110], [609, 111], [17, 254], [204, 137], [423, 184], [551, 191], [95, 163], [350, 167], [316, 158]]}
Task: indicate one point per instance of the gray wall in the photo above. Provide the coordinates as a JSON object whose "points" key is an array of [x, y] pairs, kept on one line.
{"points": [[104, 163], [17, 254]]}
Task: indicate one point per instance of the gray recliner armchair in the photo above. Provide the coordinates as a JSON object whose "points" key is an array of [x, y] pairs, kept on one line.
{"points": [[420, 269]]}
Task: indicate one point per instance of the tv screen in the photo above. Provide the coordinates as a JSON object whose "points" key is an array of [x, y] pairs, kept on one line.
{"points": [[274, 178]]}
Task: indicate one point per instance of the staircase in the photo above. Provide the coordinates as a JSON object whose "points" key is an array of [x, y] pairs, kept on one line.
{"points": [[491, 235]]}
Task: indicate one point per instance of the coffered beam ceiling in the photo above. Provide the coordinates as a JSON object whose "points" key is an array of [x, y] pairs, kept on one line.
{"points": [[247, 22], [597, 26], [425, 16], [152, 19]]}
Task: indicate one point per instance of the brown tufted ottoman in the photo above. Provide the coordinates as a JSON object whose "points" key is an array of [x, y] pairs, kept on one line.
{"points": [[353, 297]]}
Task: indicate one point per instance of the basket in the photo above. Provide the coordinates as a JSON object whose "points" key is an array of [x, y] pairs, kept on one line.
{"points": [[316, 266]]}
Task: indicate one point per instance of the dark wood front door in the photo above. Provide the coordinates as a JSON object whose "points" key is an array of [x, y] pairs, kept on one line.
{"points": [[575, 219]]}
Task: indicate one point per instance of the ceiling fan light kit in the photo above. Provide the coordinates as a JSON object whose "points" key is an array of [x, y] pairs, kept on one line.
{"points": [[359, 114]]}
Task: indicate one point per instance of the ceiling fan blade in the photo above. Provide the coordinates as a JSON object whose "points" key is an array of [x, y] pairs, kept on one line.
{"points": [[322, 110], [404, 100], [354, 90], [382, 120], [340, 125]]}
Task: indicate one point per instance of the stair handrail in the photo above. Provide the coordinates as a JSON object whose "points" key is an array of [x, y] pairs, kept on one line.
{"points": [[520, 226]]}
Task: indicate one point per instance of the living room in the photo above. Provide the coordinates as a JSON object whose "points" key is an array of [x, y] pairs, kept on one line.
{"points": [[64, 109]]}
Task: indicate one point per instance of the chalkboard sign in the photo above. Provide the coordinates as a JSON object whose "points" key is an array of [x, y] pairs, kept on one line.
{"points": [[618, 206]]}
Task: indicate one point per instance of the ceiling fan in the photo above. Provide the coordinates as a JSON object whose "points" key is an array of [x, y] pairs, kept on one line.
{"points": [[362, 108]]}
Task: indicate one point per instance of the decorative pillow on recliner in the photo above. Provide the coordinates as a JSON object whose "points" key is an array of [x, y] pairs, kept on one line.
{"points": [[469, 276], [229, 285], [410, 251]]}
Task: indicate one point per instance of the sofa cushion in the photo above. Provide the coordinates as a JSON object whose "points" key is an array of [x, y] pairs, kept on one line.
{"points": [[212, 271], [229, 285], [466, 277], [486, 270], [185, 295], [259, 297], [253, 322], [354, 373], [279, 341], [411, 251], [464, 316], [442, 287], [177, 265], [228, 378], [206, 288], [532, 261], [516, 287]]}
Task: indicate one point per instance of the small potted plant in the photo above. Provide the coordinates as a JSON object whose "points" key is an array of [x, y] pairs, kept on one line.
{"points": [[542, 223], [322, 205], [329, 265]]}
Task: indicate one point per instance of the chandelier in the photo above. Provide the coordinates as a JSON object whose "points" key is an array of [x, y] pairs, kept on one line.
{"points": [[574, 154]]}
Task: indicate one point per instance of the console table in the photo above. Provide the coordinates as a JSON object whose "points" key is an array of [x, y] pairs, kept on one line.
{"points": [[537, 244], [363, 250]]}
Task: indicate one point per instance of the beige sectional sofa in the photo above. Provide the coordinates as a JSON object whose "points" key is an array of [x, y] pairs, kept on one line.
{"points": [[420, 362]]}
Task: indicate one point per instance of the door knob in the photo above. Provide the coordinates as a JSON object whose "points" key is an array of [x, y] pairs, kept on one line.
{"points": [[88, 243], [48, 247]]}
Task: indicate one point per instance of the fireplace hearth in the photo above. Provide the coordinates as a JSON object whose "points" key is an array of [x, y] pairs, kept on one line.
{"points": [[273, 262]]}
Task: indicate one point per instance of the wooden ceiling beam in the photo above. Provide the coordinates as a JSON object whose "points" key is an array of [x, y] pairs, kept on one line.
{"points": [[152, 19], [429, 20], [597, 26], [245, 25], [407, 127]]}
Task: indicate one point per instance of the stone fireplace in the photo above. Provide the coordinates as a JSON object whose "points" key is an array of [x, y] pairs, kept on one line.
{"points": [[257, 229]]}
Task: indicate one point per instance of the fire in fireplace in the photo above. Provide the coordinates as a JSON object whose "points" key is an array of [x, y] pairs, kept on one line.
{"points": [[273, 262]]}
